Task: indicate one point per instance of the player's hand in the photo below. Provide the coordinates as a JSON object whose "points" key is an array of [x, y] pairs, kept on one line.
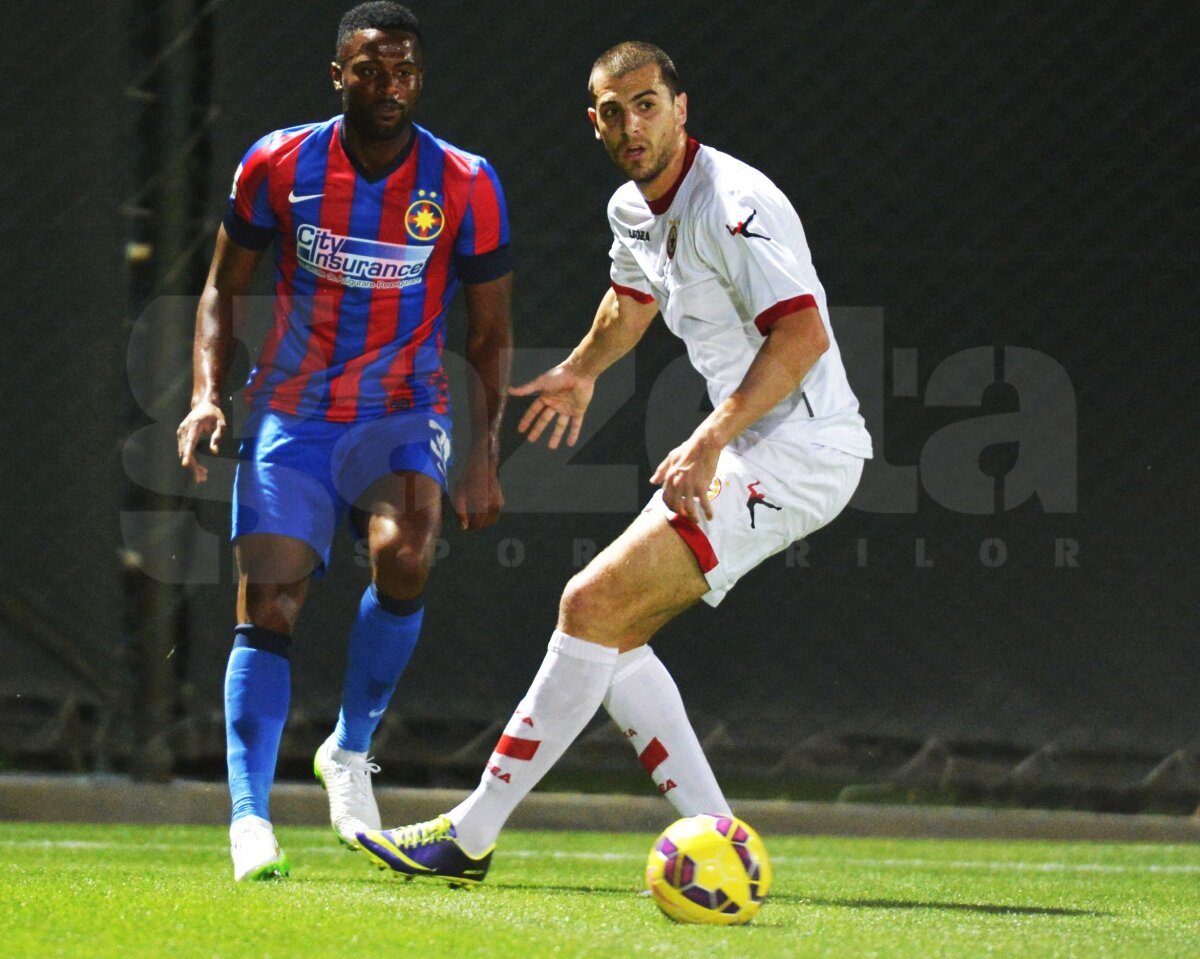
{"points": [[685, 476], [563, 397], [205, 419], [477, 498]]}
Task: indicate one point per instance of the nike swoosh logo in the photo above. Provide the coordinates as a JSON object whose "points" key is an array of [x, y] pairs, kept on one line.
{"points": [[376, 713], [292, 198]]}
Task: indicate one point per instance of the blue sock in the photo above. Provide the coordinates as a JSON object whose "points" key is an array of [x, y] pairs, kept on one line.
{"points": [[381, 642], [257, 693]]}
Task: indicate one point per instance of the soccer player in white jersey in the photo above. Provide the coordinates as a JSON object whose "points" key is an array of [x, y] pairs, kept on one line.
{"points": [[713, 245]]}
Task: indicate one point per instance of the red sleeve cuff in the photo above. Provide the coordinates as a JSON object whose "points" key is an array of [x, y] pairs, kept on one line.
{"points": [[768, 317], [634, 294]]}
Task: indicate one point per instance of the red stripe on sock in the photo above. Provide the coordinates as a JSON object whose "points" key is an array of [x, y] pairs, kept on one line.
{"points": [[517, 748], [653, 756]]}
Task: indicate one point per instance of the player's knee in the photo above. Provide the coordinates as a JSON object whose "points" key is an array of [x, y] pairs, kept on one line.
{"points": [[402, 567], [272, 606], [584, 610]]}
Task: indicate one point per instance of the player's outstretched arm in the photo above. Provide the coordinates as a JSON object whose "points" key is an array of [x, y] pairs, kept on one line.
{"points": [[795, 342], [228, 277], [564, 392], [478, 499]]}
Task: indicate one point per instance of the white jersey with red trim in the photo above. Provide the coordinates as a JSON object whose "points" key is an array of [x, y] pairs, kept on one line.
{"points": [[724, 256]]}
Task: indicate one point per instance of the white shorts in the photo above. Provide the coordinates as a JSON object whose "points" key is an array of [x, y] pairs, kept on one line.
{"points": [[764, 497]]}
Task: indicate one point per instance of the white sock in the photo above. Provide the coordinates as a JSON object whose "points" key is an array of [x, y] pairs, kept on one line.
{"points": [[565, 694], [644, 702]]}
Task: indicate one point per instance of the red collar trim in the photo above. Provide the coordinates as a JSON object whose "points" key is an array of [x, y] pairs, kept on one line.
{"points": [[661, 205]]}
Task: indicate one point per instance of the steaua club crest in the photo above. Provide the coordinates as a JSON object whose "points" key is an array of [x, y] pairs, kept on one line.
{"points": [[424, 220], [672, 236], [714, 488]]}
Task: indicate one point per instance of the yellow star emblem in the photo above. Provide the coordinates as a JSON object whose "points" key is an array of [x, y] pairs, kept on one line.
{"points": [[424, 220]]}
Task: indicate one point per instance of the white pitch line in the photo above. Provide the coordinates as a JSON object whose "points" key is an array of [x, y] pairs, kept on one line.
{"points": [[997, 865], [963, 864]]}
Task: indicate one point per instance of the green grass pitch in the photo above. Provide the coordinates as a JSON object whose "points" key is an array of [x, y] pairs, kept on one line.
{"points": [[136, 892]]}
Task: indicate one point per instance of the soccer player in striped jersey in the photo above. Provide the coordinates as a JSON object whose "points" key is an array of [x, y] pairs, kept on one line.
{"points": [[375, 223], [717, 248]]}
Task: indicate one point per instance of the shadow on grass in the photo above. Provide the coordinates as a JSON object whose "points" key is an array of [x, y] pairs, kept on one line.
{"points": [[991, 909], [427, 884], [984, 908], [625, 891]]}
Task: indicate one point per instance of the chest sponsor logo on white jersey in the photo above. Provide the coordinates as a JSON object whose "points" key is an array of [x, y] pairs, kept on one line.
{"points": [[350, 261]]}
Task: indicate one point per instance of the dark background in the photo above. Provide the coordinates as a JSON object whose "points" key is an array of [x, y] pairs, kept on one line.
{"points": [[971, 178]]}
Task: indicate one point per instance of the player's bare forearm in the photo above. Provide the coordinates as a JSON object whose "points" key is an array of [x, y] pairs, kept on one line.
{"points": [[619, 324], [212, 347], [795, 342], [228, 277], [792, 346], [477, 499], [564, 392], [489, 354]]}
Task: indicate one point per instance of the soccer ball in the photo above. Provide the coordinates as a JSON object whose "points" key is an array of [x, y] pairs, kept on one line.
{"points": [[709, 869]]}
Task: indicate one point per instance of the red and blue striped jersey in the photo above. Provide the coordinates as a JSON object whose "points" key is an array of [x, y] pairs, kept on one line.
{"points": [[365, 267]]}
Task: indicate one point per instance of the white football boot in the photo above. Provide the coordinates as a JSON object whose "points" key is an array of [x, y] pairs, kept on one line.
{"points": [[352, 807], [256, 853]]}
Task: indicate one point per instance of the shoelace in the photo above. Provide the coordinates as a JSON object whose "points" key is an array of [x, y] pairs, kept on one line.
{"points": [[423, 833], [355, 774]]}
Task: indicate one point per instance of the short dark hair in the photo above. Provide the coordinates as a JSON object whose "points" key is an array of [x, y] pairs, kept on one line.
{"points": [[377, 15], [633, 55]]}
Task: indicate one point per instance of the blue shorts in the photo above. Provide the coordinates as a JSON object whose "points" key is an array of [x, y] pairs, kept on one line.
{"points": [[299, 476]]}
